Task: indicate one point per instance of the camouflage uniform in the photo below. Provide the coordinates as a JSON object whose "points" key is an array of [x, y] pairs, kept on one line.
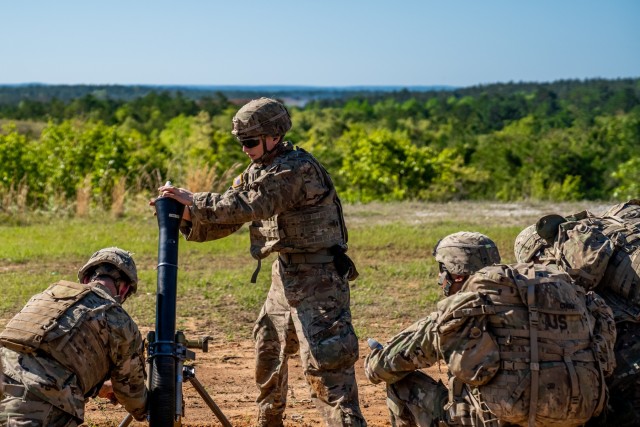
{"points": [[599, 252], [294, 210], [79, 337], [495, 351]]}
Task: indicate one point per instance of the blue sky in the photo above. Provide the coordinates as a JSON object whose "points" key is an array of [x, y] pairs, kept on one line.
{"points": [[318, 43]]}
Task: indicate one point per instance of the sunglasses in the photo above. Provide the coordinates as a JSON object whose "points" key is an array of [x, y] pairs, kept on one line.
{"points": [[251, 142]]}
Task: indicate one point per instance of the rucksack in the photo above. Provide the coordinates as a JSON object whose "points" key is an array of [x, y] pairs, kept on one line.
{"points": [[583, 250], [550, 339], [622, 273]]}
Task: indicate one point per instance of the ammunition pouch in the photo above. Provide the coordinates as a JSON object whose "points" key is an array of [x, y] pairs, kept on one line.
{"points": [[344, 265], [319, 257]]}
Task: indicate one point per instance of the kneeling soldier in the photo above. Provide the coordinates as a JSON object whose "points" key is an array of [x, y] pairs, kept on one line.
{"points": [[522, 344], [68, 340]]}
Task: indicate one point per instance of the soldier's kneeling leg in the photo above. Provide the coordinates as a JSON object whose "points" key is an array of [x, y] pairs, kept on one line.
{"points": [[417, 400]]}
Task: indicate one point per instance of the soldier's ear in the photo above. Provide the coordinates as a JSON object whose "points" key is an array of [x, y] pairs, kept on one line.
{"points": [[124, 289]]}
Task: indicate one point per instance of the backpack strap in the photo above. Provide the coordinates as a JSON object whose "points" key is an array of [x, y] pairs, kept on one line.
{"points": [[603, 388], [534, 366]]}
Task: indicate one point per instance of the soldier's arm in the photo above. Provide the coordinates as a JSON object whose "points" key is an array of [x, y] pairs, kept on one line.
{"points": [[128, 369], [275, 192], [412, 349], [206, 231]]}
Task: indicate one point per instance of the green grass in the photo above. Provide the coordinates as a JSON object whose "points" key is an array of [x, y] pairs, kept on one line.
{"points": [[391, 245]]}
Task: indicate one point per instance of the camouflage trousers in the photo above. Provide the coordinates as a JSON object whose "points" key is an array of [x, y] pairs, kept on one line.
{"points": [[19, 409], [307, 310], [416, 400], [623, 409]]}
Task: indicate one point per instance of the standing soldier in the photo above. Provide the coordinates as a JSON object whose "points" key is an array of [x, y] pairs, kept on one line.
{"points": [[292, 205], [68, 340], [523, 346]]}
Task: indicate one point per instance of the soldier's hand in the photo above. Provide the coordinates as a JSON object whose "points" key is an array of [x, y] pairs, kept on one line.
{"points": [[182, 195], [106, 392], [374, 344]]}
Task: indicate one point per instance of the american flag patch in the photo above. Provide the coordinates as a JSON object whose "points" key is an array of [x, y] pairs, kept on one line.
{"points": [[237, 181]]}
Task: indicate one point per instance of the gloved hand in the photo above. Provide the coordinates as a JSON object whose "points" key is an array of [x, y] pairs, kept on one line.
{"points": [[373, 344]]}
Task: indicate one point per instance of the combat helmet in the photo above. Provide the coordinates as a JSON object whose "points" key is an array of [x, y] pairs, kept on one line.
{"points": [[528, 243], [117, 257], [264, 116], [465, 252]]}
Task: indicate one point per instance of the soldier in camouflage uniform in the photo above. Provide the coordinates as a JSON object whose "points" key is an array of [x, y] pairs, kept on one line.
{"points": [[600, 253], [68, 340], [503, 331], [291, 204]]}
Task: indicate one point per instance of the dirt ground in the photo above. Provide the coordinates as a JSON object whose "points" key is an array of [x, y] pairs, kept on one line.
{"points": [[226, 371]]}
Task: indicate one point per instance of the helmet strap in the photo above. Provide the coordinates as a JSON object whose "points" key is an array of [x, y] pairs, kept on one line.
{"points": [[445, 282], [265, 152], [119, 284]]}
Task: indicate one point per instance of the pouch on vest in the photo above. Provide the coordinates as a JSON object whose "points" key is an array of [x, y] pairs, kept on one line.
{"points": [[344, 265], [474, 357], [477, 359], [25, 332]]}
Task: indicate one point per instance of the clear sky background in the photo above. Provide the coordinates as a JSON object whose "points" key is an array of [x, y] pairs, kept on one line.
{"points": [[317, 42]]}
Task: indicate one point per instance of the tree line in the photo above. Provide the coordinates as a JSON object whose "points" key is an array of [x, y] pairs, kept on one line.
{"points": [[565, 140]]}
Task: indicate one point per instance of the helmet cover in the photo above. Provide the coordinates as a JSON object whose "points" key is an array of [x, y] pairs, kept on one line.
{"points": [[264, 116], [465, 252], [528, 243], [117, 257]]}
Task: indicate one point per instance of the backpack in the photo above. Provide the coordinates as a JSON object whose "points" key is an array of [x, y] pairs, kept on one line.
{"points": [[621, 225], [552, 344], [583, 250], [628, 211], [622, 275]]}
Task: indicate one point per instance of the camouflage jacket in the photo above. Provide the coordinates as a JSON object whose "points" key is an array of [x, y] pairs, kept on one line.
{"points": [[290, 201], [67, 383]]}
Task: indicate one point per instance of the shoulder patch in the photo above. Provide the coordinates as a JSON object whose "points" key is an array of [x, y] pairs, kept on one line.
{"points": [[238, 181]]}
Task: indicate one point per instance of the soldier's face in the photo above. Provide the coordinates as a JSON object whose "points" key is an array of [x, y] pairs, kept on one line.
{"points": [[450, 283], [256, 151]]}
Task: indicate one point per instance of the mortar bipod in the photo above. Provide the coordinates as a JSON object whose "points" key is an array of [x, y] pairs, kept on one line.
{"points": [[185, 372]]}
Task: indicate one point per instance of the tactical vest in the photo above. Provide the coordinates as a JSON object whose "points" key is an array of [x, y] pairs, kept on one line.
{"points": [[67, 322], [306, 229], [549, 368]]}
